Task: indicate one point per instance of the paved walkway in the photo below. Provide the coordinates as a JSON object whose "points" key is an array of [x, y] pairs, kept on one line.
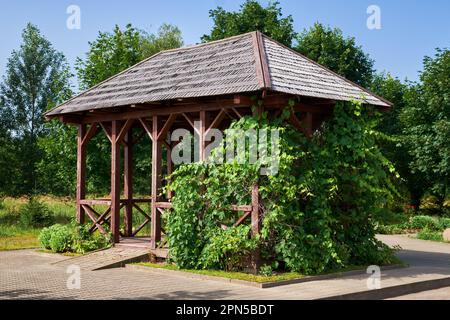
{"points": [[29, 274]]}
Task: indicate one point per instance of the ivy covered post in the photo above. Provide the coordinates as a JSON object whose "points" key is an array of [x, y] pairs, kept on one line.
{"points": [[256, 226], [156, 183]]}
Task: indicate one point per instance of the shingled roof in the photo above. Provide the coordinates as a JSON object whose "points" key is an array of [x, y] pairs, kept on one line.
{"points": [[246, 63]]}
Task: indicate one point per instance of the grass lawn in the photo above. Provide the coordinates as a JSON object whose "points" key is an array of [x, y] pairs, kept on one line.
{"points": [[13, 236], [242, 275]]}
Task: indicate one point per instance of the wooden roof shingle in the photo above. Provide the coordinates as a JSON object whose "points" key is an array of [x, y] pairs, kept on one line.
{"points": [[246, 63]]}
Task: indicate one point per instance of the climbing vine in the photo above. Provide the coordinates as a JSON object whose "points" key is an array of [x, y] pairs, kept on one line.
{"points": [[318, 208]]}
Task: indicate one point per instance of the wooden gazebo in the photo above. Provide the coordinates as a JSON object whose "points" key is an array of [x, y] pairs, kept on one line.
{"points": [[212, 83]]}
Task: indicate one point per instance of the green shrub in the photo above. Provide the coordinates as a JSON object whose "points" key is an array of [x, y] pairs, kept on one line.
{"points": [[84, 241], [61, 239], [228, 249], [444, 223], [35, 214], [427, 234], [45, 236], [319, 208], [422, 222], [266, 270], [72, 238]]}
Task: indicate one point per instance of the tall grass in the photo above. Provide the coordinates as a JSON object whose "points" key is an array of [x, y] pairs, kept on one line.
{"points": [[14, 235]]}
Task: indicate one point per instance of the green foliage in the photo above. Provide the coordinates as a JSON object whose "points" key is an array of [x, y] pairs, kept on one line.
{"points": [[61, 239], [266, 270], [227, 249], [427, 123], [57, 167], [328, 47], [36, 77], [432, 235], [392, 140], [318, 209], [114, 52], [35, 214], [252, 17], [168, 37], [71, 238], [424, 222]]}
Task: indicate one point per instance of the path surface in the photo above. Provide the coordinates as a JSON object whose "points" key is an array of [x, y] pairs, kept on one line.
{"points": [[28, 274]]}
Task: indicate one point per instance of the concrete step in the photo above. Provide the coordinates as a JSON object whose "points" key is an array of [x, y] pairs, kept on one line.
{"points": [[116, 257]]}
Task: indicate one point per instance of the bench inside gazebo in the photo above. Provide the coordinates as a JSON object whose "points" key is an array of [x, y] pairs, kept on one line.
{"points": [[212, 84]]}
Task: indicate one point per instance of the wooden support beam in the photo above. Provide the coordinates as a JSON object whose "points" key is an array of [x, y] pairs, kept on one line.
{"points": [[90, 134], [147, 128], [309, 124], [107, 131], [95, 219], [191, 123], [217, 121], [237, 113], [169, 168], [156, 184], [81, 172], [126, 127], [165, 129], [128, 182], [201, 136], [115, 182]]}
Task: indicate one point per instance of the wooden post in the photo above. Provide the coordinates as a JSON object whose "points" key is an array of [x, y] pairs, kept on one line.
{"points": [[156, 183], [115, 182], [169, 166], [201, 133], [256, 226], [128, 183], [81, 172], [309, 124]]}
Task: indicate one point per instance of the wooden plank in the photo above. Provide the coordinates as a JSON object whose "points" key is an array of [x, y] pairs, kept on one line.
{"points": [[128, 182], [257, 54], [142, 211], [242, 219], [241, 208], [263, 61], [148, 113], [115, 182], [93, 216], [156, 183], [96, 202], [102, 219], [81, 173], [164, 205]]}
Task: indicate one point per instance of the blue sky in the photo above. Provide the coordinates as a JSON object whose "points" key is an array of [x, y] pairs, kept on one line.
{"points": [[410, 29]]}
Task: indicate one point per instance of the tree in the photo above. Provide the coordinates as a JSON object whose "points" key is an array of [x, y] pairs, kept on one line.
{"points": [[37, 76], [108, 55], [114, 52], [168, 37], [329, 48], [392, 141], [427, 123], [252, 17]]}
